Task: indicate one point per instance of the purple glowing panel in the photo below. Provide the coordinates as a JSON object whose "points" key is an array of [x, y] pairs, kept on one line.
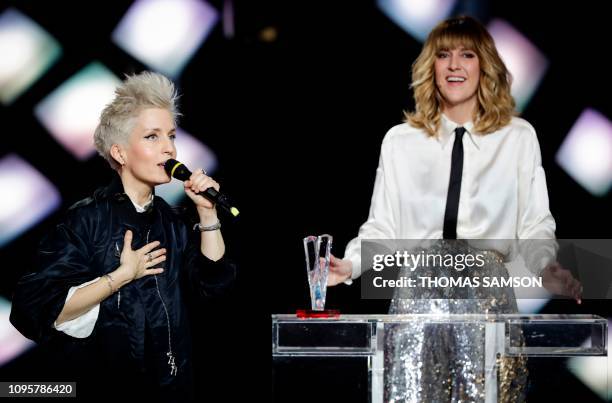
{"points": [[12, 343], [164, 34], [525, 62], [586, 152], [28, 197], [194, 154], [72, 111]]}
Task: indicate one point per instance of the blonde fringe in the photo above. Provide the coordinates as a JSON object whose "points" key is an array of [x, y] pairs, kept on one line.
{"points": [[495, 103]]}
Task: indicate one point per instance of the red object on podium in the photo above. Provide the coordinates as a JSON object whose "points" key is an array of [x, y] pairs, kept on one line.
{"points": [[309, 313]]}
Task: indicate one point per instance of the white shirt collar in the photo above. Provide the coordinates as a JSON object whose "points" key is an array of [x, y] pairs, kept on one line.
{"points": [[447, 128], [144, 207]]}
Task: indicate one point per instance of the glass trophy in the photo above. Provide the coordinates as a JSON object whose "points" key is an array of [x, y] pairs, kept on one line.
{"points": [[317, 250]]}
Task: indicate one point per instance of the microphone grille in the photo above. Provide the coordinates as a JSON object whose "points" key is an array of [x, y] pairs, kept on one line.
{"points": [[176, 169]]}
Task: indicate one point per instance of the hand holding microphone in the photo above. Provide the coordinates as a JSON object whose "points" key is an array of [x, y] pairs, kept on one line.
{"points": [[199, 182], [179, 171]]}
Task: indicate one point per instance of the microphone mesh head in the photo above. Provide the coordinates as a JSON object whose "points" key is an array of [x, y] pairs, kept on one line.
{"points": [[177, 170]]}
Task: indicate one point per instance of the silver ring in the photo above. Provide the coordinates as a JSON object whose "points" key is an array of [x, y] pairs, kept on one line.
{"points": [[149, 257], [203, 171]]}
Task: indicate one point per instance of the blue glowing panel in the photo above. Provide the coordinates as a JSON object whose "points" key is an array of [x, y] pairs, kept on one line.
{"points": [[531, 305], [194, 154], [27, 50], [525, 62], [164, 34], [28, 197], [72, 111], [595, 372], [517, 268], [586, 152], [12, 343], [416, 17]]}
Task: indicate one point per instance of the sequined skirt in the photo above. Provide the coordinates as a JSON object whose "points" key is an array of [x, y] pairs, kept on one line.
{"points": [[428, 362]]}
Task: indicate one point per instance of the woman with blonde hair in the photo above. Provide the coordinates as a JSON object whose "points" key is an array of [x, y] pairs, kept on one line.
{"points": [[463, 167], [110, 291]]}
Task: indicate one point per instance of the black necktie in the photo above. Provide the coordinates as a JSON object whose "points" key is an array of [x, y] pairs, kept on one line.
{"points": [[454, 187]]}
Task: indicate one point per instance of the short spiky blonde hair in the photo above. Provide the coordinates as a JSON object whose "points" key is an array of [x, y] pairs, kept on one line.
{"points": [[495, 103], [137, 92]]}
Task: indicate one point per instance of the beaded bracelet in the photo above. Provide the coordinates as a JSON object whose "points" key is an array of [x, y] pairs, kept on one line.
{"points": [[203, 228]]}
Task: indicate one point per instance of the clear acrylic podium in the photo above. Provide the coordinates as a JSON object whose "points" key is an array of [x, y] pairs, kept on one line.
{"points": [[508, 335]]}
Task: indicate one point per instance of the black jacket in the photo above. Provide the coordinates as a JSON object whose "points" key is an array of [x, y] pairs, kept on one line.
{"points": [[133, 334]]}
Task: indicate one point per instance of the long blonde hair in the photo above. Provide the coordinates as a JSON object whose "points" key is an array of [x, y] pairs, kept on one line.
{"points": [[495, 103]]}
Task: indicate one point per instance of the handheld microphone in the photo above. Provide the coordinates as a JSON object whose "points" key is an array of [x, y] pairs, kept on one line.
{"points": [[179, 171]]}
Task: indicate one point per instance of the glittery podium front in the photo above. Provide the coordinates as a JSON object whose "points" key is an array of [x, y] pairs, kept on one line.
{"points": [[315, 343]]}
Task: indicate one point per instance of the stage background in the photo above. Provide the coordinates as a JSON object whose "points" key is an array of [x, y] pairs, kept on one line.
{"points": [[294, 98]]}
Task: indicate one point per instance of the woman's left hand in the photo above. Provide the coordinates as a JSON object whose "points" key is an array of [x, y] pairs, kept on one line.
{"points": [[560, 281], [198, 182]]}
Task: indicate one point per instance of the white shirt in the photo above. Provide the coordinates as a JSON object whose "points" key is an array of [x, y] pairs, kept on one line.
{"points": [[503, 190], [82, 326]]}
